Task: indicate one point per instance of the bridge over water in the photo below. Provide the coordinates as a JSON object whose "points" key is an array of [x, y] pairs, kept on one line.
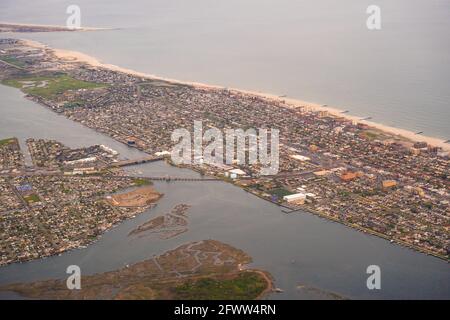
{"points": [[125, 163], [166, 178]]}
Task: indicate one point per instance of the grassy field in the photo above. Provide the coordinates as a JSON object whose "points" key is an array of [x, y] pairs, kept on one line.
{"points": [[6, 141], [245, 286], [48, 87], [374, 135], [280, 192], [32, 198], [142, 182], [14, 61]]}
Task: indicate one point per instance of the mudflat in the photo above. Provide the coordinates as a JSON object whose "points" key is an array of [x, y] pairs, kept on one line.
{"points": [[140, 197]]}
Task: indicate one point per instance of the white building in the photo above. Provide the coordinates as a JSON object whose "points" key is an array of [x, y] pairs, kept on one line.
{"points": [[90, 159], [297, 197], [162, 153], [299, 157], [237, 172], [109, 150]]}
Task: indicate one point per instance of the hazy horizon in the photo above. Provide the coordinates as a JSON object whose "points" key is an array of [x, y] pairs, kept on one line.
{"points": [[320, 52]]}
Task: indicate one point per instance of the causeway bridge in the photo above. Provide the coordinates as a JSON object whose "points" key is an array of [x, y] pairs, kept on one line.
{"points": [[125, 163], [165, 178]]}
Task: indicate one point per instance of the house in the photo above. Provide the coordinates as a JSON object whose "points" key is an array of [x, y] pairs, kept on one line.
{"points": [[348, 176], [389, 184]]}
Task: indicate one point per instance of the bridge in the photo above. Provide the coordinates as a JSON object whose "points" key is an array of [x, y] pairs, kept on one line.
{"points": [[283, 175], [125, 163], [165, 178], [11, 65], [152, 178]]}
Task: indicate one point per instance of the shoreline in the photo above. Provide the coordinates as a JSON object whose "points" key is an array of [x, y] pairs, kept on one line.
{"points": [[270, 289], [49, 26], [305, 209], [76, 56]]}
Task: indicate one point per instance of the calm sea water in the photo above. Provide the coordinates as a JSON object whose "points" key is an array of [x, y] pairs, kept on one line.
{"points": [[297, 249], [318, 51]]}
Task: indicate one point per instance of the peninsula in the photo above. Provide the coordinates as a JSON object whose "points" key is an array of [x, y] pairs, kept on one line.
{"points": [[380, 180], [199, 270], [25, 28]]}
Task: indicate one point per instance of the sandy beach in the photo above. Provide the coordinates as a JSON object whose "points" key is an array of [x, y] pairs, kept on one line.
{"points": [[62, 28], [294, 103], [140, 197]]}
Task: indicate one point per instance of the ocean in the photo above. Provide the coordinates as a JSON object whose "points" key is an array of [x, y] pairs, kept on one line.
{"points": [[319, 51]]}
